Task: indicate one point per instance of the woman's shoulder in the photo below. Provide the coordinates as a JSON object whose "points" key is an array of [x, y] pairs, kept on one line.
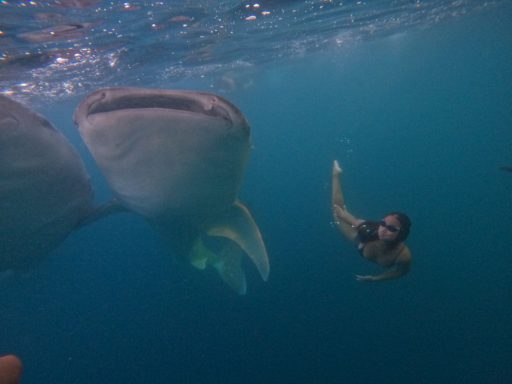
{"points": [[404, 255]]}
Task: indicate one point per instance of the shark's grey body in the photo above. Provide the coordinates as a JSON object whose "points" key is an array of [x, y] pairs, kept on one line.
{"points": [[177, 158], [44, 189]]}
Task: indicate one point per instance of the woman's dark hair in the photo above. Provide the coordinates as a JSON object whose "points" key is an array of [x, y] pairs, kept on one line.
{"points": [[405, 225]]}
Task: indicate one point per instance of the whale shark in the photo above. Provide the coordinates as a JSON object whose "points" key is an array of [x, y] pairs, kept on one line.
{"points": [[45, 192], [177, 158]]}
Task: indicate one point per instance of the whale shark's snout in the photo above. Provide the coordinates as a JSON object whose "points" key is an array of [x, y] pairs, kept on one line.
{"points": [[186, 103]]}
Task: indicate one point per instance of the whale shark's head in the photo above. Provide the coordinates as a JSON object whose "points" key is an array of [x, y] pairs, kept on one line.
{"points": [[166, 152]]}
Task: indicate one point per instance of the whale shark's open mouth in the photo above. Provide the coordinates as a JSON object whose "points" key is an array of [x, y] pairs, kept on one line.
{"points": [[179, 101], [174, 104]]}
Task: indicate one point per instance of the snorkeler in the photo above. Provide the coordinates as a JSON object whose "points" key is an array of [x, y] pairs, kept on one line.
{"points": [[381, 242]]}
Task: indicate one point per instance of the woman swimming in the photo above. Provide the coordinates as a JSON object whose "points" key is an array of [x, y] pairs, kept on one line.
{"points": [[381, 242]]}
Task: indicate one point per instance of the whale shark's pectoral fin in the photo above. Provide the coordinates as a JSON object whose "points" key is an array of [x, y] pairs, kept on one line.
{"points": [[102, 211], [226, 260], [200, 254], [237, 225], [224, 241]]}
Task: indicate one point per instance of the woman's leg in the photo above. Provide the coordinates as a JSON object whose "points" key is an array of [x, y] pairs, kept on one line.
{"points": [[343, 219], [337, 194]]}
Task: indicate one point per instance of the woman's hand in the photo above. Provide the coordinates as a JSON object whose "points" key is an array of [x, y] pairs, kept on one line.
{"points": [[338, 212]]}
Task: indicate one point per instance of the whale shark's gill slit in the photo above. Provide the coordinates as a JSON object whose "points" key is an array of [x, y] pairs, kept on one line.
{"points": [[155, 102]]}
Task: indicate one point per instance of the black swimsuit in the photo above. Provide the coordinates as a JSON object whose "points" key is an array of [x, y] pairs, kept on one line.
{"points": [[366, 231]]}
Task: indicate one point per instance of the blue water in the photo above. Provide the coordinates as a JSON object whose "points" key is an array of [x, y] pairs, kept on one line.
{"points": [[421, 122]]}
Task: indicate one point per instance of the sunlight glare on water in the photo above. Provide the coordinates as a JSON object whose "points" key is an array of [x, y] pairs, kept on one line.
{"points": [[60, 48]]}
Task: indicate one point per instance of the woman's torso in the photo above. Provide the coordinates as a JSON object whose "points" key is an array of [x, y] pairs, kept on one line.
{"points": [[378, 252]]}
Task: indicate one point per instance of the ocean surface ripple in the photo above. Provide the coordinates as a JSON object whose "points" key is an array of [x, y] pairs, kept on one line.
{"points": [[58, 48]]}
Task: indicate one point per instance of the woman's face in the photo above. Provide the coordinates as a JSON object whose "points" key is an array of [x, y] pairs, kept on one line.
{"points": [[389, 228]]}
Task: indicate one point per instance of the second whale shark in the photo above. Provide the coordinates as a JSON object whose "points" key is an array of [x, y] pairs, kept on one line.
{"points": [[45, 191]]}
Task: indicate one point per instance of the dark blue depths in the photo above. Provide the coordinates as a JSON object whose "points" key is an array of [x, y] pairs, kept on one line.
{"points": [[421, 122]]}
